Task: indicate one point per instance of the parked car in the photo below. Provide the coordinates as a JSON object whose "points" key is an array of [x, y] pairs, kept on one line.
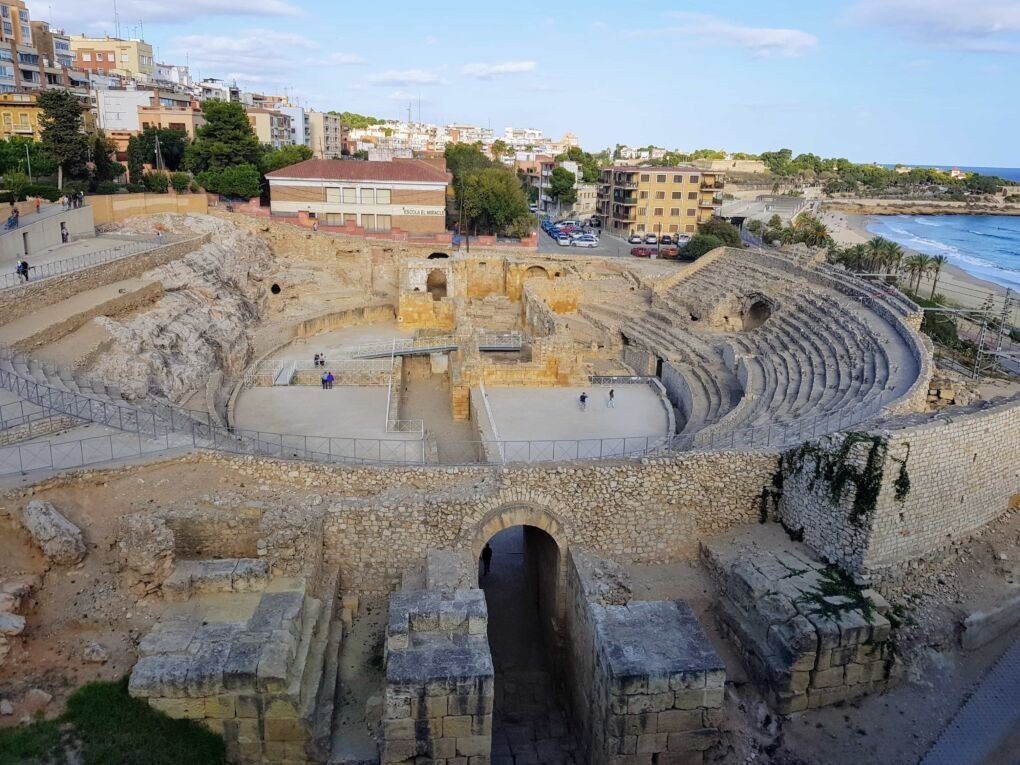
{"points": [[563, 240], [568, 223], [642, 252], [651, 239], [585, 241], [666, 239], [669, 253], [635, 239]]}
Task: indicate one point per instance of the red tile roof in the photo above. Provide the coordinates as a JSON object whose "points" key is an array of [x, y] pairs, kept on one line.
{"points": [[362, 170]]}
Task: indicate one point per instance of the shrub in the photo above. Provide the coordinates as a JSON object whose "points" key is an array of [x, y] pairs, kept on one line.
{"points": [[52, 193], [194, 188], [699, 245], [156, 182], [134, 188], [107, 187], [180, 181], [239, 181]]}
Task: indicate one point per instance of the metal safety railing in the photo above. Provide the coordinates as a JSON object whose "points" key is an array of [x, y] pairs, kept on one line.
{"points": [[80, 262]]}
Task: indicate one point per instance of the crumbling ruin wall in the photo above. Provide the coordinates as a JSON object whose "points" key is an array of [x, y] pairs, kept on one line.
{"points": [[874, 501]]}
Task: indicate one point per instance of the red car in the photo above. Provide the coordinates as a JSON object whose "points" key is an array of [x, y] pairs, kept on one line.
{"points": [[642, 252]]}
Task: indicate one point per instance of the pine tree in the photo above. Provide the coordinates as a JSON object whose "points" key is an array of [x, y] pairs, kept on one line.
{"points": [[62, 135]]}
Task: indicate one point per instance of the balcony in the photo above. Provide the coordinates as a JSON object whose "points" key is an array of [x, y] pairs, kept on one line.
{"points": [[627, 201], [620, 184], [713, 185]]}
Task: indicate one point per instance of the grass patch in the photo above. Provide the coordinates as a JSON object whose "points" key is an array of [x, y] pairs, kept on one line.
{"points": [[108, 727]]}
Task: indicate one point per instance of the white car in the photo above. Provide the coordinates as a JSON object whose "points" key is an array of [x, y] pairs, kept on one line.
{"points": [[635, 239], [585, 241], [651, 239], [563, 240]]}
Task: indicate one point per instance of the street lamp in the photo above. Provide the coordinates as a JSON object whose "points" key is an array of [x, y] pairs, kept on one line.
{"points": [[28, 158]]}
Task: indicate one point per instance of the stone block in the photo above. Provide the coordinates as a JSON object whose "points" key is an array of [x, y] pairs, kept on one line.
{"points": [[788, 703], [240, 669], [59, 539], [160, 677], [827, 678], [249, 575], [281, 729], [693, 741], [854, 674], [652, 742], [443, 748], [712, 718], [220, 707], [429, 706], [481, 725], [478, 760], [177, 586], [881, 628], [687, 680], [191, 709], [396, 705], [853, 628], [637, 725], [714, 697], [167, 638], [630, 686], [274, 663], [247, 705], [678, 720], [398, 751], [245, 731], [278, 709], [473, 746], [794, 642], [656, 702], [205, 673], [394, 730], [840, 657], [690, 699], [457, 727]]}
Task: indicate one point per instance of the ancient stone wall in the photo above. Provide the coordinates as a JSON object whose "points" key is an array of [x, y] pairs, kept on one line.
{"points": [[351, 317], [874, 501], [417, 310], [34, 296]]}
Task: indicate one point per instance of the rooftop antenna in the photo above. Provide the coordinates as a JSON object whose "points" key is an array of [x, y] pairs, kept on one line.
{"points": [[141, 29], [116, 18], [419, 107]]}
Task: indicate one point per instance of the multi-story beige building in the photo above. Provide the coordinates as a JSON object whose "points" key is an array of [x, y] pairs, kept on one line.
{"points": [[113, 55], [325, 135], [34, 57], [661, 200], [272, 128], [187, 118], [587, 194], [400, 195]]}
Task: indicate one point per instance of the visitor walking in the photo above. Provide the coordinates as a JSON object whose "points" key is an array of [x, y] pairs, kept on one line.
{"points": [[325, 382], [38, 204], [611, 403], [22, 270], [329, 381], [582, 402], [322, 359], [315, 225], [486, 559], [316, 360]]}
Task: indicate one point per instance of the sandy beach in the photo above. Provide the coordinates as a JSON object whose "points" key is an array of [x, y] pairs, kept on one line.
{"points": [[955, 283]]}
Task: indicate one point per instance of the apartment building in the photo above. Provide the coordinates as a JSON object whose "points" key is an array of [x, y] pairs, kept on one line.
{"points": [[273, 128], [325, 135], [28, 64], [187, 117], [657, 200], [113, 55], [300, 124], [587, 195], [120, 109], [19, 115], [406, 195]]}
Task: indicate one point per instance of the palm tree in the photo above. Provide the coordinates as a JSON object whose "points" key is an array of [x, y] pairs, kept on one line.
{"points": [[937, 262], [917, 267], [876, 247], [895, 254]]}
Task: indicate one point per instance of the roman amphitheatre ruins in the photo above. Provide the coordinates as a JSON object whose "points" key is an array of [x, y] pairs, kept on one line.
{"points": [[753, 551]]}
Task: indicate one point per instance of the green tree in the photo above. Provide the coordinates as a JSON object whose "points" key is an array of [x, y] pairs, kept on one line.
{"points": [[16, 182], [561, 186], [699, 245], [156, 182], [500, 149], [722, 230], [17, 152], [225, 140], [104, 168], [494, 203], [936, 265], [237, 181], [463, 159], [284, 157], [180, 181], [357, 121], [62, 135]]}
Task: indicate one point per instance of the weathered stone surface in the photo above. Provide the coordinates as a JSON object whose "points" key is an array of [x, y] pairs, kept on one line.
{"points": [[11, 625], [59, 539], [94, 653]]}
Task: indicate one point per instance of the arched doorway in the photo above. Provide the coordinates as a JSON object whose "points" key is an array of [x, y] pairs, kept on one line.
{"points": [[536, 271], [756, 314], [437, 256], [436, 284], [523, 597]]}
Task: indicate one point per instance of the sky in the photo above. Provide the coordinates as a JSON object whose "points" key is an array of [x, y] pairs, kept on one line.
{"points": [[911, 81]]}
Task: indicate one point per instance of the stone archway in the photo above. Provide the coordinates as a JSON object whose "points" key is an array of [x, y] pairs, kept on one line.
{"points": [[437, 256], [518, 514], [534, 272]]}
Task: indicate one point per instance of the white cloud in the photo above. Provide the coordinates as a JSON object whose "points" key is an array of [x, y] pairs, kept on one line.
{"points": [[486, 71], [77, 15], [406, 96], [759, 41], [242, 57], [405, 77], [987, 26]]}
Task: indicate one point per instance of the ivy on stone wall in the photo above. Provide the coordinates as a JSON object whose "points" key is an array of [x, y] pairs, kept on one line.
{"points": [[837, 470]]}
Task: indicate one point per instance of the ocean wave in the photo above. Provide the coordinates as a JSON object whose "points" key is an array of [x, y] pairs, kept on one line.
{"points": [[991, 236], [923, 222], [975, 261]]}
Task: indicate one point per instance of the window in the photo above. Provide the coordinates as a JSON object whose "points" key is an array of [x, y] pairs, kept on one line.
{"points": [[86, 56], [692, 195], [678, 179], [691, 211], [334, 219], [23, 118], [642, 195], [660, 178], [660, 194], [5, 11], [382, 223], [5, 54], [689, 228], [368, 197], [694, 179], [23, 15], [26, 34], [124, 58], [111, 58], [676, 195], [368, 222], [645, 177], [382, 197], [673, 227], [674, 212], [8, 29], [350, 218], [657, 212], [350, 196], [28, 58], [332, 195]]}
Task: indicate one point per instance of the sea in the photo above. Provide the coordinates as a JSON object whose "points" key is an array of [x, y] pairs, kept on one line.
{"points": [[985, 246]]}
